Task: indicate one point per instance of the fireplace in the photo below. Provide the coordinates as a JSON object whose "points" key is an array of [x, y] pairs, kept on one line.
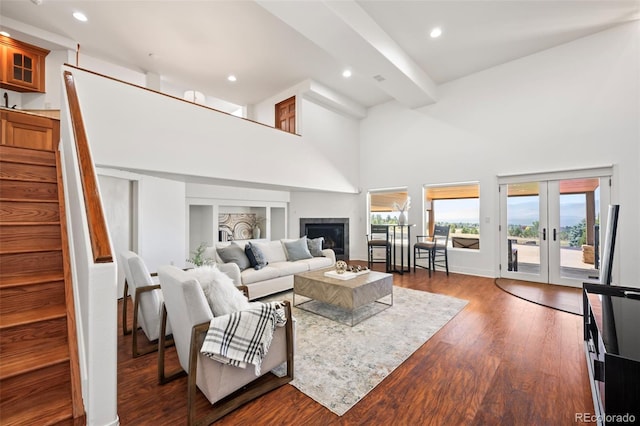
{"points": [[334, 230]]}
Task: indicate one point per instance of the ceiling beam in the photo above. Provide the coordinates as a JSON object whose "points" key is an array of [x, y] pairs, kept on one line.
{"points": [[349, 34], [323, 95]]}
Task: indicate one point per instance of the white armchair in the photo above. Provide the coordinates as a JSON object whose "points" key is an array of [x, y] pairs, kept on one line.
{"points": [[189, 312], [147, 301]]}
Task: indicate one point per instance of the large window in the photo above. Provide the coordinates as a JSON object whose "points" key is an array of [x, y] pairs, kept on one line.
{"points": [[458, 206], [382, 205]]}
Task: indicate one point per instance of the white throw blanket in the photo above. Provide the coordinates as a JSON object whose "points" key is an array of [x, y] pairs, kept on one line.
{"points": [[243, 337]]}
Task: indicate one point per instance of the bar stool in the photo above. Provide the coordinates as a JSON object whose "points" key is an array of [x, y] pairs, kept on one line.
{"points": [[435, 248], [378, 238]]}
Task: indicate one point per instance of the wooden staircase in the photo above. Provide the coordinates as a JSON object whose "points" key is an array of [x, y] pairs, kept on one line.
{"points": [[39, 375]]}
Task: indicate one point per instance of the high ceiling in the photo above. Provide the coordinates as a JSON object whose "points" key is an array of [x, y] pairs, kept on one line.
{"points": [[273, 45]]}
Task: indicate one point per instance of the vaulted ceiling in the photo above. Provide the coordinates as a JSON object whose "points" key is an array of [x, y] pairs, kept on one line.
{"points": [[272, 45]]}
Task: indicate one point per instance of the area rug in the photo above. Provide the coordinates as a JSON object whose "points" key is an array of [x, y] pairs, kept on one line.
{"points": [[337, 365]]}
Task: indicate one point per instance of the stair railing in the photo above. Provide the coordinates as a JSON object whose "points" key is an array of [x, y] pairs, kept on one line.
{"points": [[98, 231], [101, 255]]}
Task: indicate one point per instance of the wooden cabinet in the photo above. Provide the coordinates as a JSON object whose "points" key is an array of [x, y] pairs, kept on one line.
{"points": [[22, 67], [29, 130]]}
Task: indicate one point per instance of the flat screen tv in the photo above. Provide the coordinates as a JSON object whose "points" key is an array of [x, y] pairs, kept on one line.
{"points": [[609, 244]]}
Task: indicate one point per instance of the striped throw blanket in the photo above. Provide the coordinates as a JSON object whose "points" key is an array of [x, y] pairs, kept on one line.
{"points": [[243, 337]]}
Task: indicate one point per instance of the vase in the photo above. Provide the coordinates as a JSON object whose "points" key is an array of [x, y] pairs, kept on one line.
{"points": [[402, 218], [256, 232]]}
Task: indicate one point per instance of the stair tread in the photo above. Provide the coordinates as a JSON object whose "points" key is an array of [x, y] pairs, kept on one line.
{"points": [[33, 315], [26, 179], [27, 191], [54, 412], [11, 154], [29, 264], [53, 222], [22, 362], [47, 404], [30, 279], [28, 250], [27, 200]]}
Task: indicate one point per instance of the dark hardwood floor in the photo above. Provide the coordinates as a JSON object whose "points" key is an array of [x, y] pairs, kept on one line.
{"points": [[501, 361], [568, 299]]}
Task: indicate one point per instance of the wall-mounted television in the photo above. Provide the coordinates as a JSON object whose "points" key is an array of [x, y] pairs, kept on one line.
{"points": [[609, 244]]}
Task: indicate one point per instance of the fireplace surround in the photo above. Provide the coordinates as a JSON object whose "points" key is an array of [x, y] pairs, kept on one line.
{"points": [[334, 230]]}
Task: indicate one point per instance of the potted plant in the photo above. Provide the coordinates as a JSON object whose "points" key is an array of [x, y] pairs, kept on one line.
{"points": [[197, 256]]}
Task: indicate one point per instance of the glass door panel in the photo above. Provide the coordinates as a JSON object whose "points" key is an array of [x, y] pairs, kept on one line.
{"points": [[574, 221], [525, 212]]}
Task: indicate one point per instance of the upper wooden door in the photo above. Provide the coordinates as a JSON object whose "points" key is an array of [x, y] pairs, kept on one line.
{"points": [[286, 115]]}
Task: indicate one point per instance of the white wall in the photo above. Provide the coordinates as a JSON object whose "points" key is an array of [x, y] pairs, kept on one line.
{"points": [[576, 105], [140, 130], [161, 222], [335, 136], [116, 195], [329, 205], [158, 218], [332, 133]]}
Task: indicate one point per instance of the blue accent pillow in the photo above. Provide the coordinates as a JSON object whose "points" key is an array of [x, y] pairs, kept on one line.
{"points": [[297, 250], [255, 256], [250, 256]]}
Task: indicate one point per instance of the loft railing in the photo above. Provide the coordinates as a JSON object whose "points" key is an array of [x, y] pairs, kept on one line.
{"points": [[98, 232]]}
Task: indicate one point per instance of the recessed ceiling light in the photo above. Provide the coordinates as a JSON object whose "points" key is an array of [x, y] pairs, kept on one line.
{"points": [[346, 73], [80, 16], [436, 32], [232, 78], [4, 33]]}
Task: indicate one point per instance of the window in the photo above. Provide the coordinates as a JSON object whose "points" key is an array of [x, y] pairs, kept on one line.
{"points": [[381, 202], [286, 115], [456, 205]]}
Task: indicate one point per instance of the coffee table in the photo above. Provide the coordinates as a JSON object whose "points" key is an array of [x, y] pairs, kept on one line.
{"points": [[361, 293]]}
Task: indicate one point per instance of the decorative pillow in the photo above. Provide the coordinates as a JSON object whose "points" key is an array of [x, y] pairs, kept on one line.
{"points": [[255, 255], [297, 249], [250, 256], [234, 253], [273, 251], [315, 246], [223, 297]]}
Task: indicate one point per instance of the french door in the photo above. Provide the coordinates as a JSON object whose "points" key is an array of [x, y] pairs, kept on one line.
{"points": [[550, 229]]}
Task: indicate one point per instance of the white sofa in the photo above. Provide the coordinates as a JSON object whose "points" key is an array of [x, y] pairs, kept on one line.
{"points": [[277, 275]]}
